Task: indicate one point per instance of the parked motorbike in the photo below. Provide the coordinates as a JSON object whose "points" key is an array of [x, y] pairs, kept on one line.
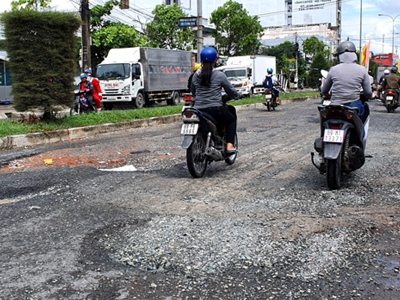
{"points": [[204, 140], [270, 99], [82, 105], [341, 147], [390, 100]]}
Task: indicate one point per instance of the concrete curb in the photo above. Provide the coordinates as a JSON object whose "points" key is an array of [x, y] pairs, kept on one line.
{"points": [[40, 138]]}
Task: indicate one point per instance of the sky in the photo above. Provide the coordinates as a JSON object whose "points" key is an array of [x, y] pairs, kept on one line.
{"points": [[377, 29]]}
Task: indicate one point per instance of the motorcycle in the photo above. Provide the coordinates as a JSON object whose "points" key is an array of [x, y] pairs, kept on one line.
{"points": [[82, 105], [270, 99], [204, 140], [390, 100], [341, 147]]}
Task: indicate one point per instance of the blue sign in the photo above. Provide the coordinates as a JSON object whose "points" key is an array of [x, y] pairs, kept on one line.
{"points": [[187, 22]]}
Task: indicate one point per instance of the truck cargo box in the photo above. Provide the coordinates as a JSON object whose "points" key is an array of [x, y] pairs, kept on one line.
{"points": [[165, 69]]}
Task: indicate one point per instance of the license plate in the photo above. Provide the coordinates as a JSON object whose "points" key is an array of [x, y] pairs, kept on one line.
{"points": [[390, 98], [110, 98], [268, 96], [333, 136], [189, 128]]}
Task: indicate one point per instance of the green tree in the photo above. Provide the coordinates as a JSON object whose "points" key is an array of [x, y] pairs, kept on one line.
{"points": [[42, 51], [236, 32], [164, 30], [319, 63], [30, 4], [106, 34], [285, 54], [312, 46]]}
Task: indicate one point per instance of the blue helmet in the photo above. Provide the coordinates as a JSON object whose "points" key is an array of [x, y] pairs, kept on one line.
{"points": [[88, 71], [270, 70], [208, 54], [83, 75], [393, 70]]}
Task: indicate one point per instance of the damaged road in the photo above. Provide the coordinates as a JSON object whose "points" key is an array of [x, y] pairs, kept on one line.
{"points": [[118, 216]]}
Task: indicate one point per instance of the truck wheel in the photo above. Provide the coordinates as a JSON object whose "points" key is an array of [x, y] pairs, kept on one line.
{"points": [[139, 101], [108, 106], [175, 99]]}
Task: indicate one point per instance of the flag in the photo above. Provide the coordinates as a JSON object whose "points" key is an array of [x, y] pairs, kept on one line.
{"points": [[365, 55]]}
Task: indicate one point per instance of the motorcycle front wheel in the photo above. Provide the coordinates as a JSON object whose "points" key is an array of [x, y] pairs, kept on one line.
{"points": [[75, 110], [334, 172], [195, 156]]}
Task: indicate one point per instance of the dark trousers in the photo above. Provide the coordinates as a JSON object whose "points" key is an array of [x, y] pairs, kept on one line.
{"points": [[224, 118]]}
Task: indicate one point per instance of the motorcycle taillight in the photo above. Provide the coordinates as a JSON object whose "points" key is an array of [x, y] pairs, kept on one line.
{"points": [[189, 116], [390, 92], [335, 127], [188, 98], [268, 91]]}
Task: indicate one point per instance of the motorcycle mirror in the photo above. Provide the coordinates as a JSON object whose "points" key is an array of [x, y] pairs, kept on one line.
{"points": [[324, 73]]}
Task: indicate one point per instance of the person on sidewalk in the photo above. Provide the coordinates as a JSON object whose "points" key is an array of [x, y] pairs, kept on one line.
{"points": [[97, 92]]}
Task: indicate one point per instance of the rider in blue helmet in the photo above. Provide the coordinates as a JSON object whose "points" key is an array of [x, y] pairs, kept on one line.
{"points": [[270, 82], [86, 86], [206, 87]]}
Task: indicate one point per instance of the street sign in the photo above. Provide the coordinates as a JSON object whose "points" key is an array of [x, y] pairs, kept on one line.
{"points": [[187, 22]]}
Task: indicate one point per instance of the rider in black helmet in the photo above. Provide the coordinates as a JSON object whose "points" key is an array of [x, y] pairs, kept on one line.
{"points": [[345, 80]]}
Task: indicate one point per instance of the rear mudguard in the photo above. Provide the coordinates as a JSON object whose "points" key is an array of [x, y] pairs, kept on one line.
{"points": [[187, 141], [332, 151]]}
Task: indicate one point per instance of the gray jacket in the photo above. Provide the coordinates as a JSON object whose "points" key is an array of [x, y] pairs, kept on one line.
{"points": [[211, 96], [347, 80]]}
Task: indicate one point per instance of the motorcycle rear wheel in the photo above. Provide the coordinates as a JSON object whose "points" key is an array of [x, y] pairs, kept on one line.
{"points": [[195, 156], [334, 172], [269, 106], [388, 108]]}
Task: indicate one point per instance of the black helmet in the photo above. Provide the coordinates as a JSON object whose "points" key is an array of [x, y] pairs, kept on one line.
{"points": [[346, 46], [394, 70]]}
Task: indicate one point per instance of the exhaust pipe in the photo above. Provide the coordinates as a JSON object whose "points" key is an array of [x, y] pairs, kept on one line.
{"points": [[214, 153]]}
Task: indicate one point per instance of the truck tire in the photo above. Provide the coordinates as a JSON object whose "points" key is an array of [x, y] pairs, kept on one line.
{"points": [[175, 99], [139, 101]]}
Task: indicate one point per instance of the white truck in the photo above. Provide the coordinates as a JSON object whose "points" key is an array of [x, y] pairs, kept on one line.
{"points": [[247, 73], [141, 75]]}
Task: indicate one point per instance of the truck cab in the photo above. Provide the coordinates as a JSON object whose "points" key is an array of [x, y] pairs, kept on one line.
{"points": [[119, 81]]}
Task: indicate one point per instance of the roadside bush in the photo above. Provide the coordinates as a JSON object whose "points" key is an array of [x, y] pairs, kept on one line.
{"points": [[41, 47]]}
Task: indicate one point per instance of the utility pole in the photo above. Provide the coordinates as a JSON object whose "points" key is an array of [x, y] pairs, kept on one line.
{"points": [[85, 15], [296, 45], [338, 23], [199, 29]]}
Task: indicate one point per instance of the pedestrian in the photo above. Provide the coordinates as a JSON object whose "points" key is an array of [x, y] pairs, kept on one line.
{"points": [[97, 92]]}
